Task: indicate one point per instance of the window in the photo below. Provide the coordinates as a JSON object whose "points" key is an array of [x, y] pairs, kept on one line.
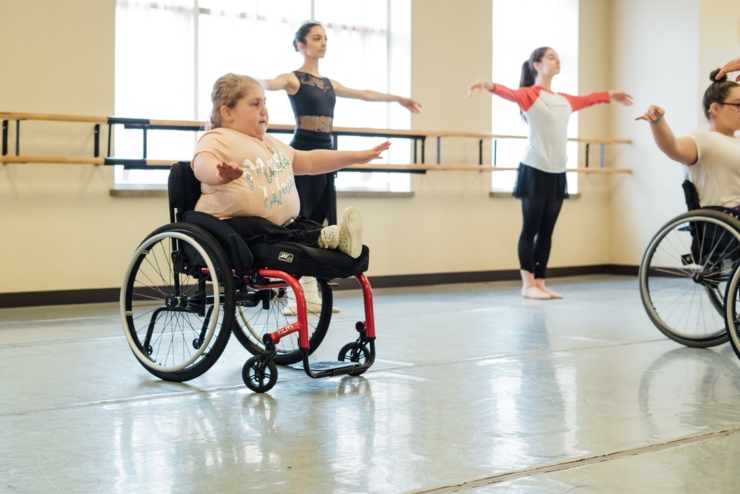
{"points": [[516, 34], [169, 53]]}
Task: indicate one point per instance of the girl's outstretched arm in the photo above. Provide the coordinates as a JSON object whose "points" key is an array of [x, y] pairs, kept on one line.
{"points": [[682, 149], [368, 95], [284, 82]]}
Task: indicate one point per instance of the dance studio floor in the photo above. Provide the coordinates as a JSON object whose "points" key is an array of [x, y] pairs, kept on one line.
{"points": [[475, 390]]}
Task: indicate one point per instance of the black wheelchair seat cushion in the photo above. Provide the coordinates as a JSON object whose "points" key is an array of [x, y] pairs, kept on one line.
{"points": [[224, 235], [301, 260]]}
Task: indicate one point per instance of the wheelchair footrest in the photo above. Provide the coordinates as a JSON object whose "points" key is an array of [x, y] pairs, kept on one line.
{"points": [[331, 366]]}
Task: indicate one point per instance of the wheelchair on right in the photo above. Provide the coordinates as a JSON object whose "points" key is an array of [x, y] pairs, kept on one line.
{"points": [[690, 276]]}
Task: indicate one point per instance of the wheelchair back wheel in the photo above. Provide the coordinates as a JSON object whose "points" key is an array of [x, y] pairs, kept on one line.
{"points": [[275, 308], [177, 302], [684, 274], [732, 310]]}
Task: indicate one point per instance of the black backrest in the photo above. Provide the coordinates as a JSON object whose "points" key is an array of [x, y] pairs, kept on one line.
{"points": [[691, 195], [183, 190]]}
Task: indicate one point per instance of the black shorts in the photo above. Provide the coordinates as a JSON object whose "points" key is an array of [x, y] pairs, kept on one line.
{"points": [[531, 182]]}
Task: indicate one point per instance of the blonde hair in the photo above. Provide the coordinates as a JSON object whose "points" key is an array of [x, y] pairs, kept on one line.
{"points": [[227, 91]]}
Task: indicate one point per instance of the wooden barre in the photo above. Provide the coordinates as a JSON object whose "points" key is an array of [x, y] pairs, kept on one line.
{"points": [[359, 131], [52, 117], [477, 168], [67, 160], [365, 167]]}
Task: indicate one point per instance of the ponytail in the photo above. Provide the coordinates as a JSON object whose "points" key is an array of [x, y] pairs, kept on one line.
{"points": [[529, 73]]}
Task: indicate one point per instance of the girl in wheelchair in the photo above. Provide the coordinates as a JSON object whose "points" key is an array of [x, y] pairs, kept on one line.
{"points": [[711, 156], [248, 177]]}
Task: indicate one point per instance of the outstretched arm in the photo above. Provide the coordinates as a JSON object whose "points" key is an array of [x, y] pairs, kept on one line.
{"points": [[284, 82], [325, 161], [731, 66], [682, 149], [211, 171], [524, 96], [368, 95]]}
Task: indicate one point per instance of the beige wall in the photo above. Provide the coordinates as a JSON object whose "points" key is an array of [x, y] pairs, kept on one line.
{"points": [[62, 230]]}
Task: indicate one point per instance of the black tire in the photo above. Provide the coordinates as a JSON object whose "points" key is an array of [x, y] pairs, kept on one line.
{"points": [[251, 323], [259, 376], [732, 310], [166, 287], [684, 275], [355, 352]]}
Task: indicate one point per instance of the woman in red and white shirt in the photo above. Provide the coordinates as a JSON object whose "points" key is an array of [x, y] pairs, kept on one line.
{"points": [[541, 182]]}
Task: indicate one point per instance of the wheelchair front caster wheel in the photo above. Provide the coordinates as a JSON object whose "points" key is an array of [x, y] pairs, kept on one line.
{"points": [[259, 375], [354, 352]]}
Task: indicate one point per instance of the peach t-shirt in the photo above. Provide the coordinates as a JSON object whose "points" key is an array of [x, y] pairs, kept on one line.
{"points": [[267, 188]]}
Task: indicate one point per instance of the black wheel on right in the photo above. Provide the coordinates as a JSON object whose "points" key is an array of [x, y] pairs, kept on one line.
{"points": [[274, 308], [355, 352], [684, 275], [259, 375], [732, 310]]}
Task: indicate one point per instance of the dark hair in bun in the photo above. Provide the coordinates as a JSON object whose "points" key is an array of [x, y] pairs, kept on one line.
{"points": [[713, 75], [717, 91], [300, 35]]}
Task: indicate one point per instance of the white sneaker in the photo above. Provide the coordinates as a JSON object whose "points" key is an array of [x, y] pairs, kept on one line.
{"points": [[329, 238], [350, 233]]}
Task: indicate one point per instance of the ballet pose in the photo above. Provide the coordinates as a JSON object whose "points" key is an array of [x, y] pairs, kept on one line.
{"points": [[313, 97], [711, 156], [248, 177], [541, 181]]}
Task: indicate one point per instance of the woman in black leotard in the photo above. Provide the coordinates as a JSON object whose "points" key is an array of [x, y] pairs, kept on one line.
{"points": [[312, 97]]}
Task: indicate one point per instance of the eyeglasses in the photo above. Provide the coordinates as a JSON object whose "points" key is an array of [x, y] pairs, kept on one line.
{"points": [[736, 105]]}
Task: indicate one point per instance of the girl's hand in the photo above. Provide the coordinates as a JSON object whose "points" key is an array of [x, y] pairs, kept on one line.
{"points": [[652, 115], [480, 86], [228, 172], [620, 97], [731, 66], [411, 105], [372, 154]]}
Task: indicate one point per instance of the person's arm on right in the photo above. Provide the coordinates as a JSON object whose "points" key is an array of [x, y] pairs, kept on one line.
{"points": [[682, 149]]}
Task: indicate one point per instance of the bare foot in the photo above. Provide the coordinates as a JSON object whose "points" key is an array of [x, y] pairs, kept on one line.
{"points": [[534, 292], [540, 283]]}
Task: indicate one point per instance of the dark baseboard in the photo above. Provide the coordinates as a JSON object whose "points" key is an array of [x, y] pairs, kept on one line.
{"points": [[91, 296], [406, 280], [59, 297]]}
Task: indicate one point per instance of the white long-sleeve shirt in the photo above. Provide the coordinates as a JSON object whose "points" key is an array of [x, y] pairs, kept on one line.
{"points": [[547, 114]]}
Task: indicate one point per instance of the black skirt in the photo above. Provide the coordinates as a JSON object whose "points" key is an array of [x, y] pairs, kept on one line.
{"points": [[531, 182]]}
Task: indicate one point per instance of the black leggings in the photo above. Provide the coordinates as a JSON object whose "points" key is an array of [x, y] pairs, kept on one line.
{"points": [[317, 196], [535, 241]]}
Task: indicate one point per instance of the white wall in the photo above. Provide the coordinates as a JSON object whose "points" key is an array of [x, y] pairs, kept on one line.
{"points": [[61, 229], [663, 51]]}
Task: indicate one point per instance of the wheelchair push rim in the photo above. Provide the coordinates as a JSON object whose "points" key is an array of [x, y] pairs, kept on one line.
{"points": [[170, 317], [684, 273]]}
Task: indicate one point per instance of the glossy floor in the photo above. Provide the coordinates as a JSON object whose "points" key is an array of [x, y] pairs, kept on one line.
{"points": [[475, 390]]}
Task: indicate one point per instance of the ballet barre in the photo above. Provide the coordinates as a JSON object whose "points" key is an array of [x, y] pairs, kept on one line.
{"points": [[384, 168], [418, 138]]}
